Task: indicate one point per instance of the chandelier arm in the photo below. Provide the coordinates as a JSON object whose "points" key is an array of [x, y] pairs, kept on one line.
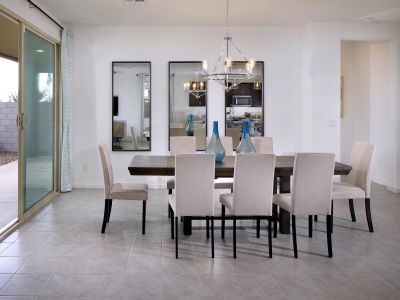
{"points": [[220, 56], [239, 51]]}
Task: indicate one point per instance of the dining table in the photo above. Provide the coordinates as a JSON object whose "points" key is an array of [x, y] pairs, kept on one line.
{"points": [[164, 165]]}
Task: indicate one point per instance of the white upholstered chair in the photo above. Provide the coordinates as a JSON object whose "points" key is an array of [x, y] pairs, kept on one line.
{"points": [[119, 191], [311, 191], [194, 192], [252, 192], [357, 185], [224, 183], [177, 131], [235, 134], [134, 138], [263, 144], [180, 145], [200, 134]]}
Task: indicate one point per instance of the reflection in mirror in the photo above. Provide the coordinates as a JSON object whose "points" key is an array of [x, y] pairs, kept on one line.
{"points": [[131, 102], [187, 102], [245, 101]]}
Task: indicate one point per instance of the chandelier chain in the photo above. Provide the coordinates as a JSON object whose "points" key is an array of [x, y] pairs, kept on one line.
{"points": [[227, 17]]}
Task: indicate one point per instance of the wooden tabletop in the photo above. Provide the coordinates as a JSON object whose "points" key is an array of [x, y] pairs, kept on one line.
{"points": [[150, 165]]}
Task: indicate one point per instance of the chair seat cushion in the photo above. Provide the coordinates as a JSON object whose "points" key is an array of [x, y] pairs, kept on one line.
{"points": [[129, 191], [284, 201], [223, 183], [227, 201], [171, 184], [172, 202], [343, 190]]}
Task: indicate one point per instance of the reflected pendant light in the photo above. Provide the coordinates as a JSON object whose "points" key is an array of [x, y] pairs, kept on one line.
{"points": [[223, 71]]}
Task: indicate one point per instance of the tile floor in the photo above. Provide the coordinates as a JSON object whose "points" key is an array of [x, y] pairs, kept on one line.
{"points": [[61, 254]]}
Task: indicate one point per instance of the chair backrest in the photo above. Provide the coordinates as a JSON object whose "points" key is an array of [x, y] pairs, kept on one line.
{"points": [[263, 144], [182, 144], [134, 139], [177, 131], [107, 169], [312, 183], [361, 160], [253, 184], [235, 134], [226, 142], [200, 134], [194, 184]]}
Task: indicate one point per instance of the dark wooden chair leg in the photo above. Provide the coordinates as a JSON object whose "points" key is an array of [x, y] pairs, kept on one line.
{"points": [[258, 227], [234, 237], [222, 221], [329, 221], [331, 216], [109, 209], [103, 228], [294, 236], [172, 221], [212, 237], [315, 218], [310, 228], [144, 218], [169, 211], [352, 212], [368, 212], [176, 237], [208, 227], [270, 237], [275, 216]]}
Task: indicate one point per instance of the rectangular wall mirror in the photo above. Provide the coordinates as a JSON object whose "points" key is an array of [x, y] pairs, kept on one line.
{"points": [[187, 102], [131, 106], [245, 101]]}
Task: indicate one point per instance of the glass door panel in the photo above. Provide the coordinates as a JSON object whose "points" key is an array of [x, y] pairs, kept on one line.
{"points": [[39, 116]]}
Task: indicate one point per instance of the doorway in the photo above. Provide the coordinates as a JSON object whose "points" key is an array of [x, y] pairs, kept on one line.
{"points": [[9, 146], [367, 105]]}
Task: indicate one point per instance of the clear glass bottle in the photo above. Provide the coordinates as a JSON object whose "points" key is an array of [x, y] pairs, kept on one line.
{"points": [[245, 146], [215, 146], [190, 128]]}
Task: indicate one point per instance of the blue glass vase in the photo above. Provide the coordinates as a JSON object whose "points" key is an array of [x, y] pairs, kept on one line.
{"points": [[245, 146], [190, 128], [215, 146]]}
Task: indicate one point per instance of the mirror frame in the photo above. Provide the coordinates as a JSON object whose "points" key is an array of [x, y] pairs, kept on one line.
{"points": [[112, 104], [262, 96], [169, 95]]}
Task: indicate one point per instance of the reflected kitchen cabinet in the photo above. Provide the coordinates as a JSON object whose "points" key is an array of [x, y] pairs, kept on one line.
{"points": [[131, 106]]}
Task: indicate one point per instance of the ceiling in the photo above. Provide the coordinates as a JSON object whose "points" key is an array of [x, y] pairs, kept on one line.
{"points": [[212, 12]]}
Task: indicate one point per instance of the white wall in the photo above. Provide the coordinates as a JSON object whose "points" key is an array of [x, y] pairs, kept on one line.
{"points": [[302, 85], [22, 9]]}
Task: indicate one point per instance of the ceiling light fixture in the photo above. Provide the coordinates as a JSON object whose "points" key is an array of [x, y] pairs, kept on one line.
{"points": [[223, 71], [196, 87]]}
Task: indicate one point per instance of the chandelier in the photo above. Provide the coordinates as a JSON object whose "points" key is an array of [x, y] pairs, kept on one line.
{"points": [[224, 71], [195, 87]]}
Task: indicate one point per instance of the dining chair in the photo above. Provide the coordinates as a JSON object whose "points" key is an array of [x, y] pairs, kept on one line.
{"points": [[262, 144], [180, 145], [134, 138], [252, 192], [194, 191], [357, 185], [224, 183], [177, 131], [200, 134], [311, 192], [235, 134], [119, 191]]}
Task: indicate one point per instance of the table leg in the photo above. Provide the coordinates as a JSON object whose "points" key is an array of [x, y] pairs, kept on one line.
{"points": [[187, 226], [284, 216]]}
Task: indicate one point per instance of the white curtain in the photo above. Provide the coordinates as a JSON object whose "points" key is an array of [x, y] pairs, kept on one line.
{"points": [[66, 91]]}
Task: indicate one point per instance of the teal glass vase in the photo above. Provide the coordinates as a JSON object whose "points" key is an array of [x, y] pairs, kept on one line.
{"points": [[245, 146], [215, 146], [190, 128]]}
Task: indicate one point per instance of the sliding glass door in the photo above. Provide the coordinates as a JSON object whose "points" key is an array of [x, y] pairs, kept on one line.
{"points": [[38, 117]]}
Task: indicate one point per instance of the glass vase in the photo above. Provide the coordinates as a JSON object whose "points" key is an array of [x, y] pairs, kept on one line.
{"points": [[245, 146], [215, 146], [190, 128]]}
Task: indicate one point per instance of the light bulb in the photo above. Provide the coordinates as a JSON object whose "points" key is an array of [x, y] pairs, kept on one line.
{"points": [[201, 85], [194, 86], [205, 66]]}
